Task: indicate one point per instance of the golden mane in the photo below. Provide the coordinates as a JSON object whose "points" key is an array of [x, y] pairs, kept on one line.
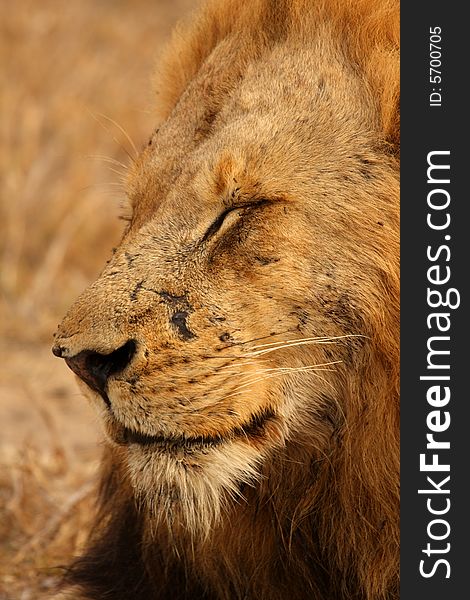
{"points": [[368, 30]]}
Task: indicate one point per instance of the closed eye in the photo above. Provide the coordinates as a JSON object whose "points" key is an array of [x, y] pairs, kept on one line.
{"points": [[241, 208]]}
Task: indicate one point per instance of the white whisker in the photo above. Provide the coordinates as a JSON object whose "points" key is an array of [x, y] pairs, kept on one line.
{"points": [[301, 342], [275, 372], [308, 339], [123, 131], [108, 159]]}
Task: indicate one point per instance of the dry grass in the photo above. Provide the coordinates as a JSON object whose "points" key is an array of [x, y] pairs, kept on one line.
{"points": [[64, 66]]}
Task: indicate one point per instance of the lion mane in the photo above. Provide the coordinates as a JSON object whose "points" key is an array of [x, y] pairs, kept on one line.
{"points": [[241, 345]]}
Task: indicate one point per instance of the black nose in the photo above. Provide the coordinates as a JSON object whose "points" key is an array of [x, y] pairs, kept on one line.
{"points": [[95, 368]]}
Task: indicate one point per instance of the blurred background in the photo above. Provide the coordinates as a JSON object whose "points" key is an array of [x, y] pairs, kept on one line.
{"points": [[75, 97]]}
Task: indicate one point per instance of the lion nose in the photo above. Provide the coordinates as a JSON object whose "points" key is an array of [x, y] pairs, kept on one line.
{"points": [[95, 369]]}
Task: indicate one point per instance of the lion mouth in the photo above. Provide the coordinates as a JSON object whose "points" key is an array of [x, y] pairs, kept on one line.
{"points": [[253, 431]]}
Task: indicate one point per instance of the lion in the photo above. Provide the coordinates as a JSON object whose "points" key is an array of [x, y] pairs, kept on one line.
{"points": [[242, 343]]}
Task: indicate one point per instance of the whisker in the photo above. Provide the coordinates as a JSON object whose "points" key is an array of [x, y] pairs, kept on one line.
{"points": [[308, 339], [264, 337], [243, 363], [265, 349], [95, 117], [120, 173], [283, 371], [304, 368], [287, 370], [123, 131], [293, 343], [108, 159]]}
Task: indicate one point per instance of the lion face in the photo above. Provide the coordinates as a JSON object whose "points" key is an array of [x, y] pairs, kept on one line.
{"points": [[243, 293]]}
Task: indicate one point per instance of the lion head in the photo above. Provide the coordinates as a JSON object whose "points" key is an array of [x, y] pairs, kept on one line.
{"points": [[241, 345]]}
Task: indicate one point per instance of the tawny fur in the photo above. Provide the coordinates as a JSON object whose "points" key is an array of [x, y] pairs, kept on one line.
{"points": [[259, 279]]}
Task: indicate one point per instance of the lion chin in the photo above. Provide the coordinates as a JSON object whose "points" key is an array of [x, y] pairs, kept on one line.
{"points": [[241, 345], [186, 481]]}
